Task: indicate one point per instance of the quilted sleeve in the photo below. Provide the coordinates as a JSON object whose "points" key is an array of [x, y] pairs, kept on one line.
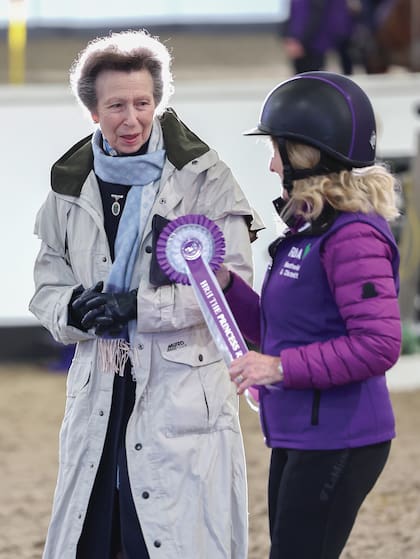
{"points": [[244, 303], [357, 260]]}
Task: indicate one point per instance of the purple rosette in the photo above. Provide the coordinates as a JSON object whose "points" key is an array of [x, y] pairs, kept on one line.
{"points": [[186, 239], [189, 250]]}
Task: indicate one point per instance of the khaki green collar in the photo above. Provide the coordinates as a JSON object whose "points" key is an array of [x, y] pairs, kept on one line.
{"points": [[69, 173]]}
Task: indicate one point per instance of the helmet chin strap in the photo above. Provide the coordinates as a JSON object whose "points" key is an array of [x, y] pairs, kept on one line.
{"points": [[325, 166]]}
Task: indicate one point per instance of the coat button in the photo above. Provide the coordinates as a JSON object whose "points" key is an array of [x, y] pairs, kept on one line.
{"points": [[200, 357], [138, 446], [148, 249], [104, 258], [101, 412], [145, 494], [157, 543]]}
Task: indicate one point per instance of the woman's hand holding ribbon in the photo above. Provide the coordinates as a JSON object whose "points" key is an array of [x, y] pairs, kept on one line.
{"points": [[255, 368]]}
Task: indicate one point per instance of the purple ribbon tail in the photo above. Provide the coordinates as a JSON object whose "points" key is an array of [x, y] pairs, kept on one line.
{"points": [[216, 311]]}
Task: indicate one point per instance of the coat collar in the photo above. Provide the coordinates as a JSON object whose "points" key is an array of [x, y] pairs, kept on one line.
{"points": [[69, 173]]}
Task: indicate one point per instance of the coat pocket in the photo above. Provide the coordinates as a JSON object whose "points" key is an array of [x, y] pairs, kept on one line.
{"points": [[199, 396], [78, 376], [74, 427]]}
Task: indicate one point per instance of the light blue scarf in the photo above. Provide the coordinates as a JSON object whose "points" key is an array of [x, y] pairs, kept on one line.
{"points": [[142, 172]]}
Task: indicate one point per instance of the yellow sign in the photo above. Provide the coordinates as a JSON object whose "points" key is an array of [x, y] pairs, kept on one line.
{"points": [[17, 41]]}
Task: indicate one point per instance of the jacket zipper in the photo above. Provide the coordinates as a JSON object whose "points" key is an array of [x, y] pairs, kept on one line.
{"points": [[317, 393]]}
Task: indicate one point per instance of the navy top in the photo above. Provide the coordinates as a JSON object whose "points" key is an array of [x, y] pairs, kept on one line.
{"points": [[113, 202]]}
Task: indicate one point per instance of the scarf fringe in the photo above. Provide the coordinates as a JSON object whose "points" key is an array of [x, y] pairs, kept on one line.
{"points": [[113, 356]]}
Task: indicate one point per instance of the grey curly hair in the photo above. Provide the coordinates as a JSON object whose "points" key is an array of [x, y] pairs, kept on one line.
{"points": [[124, 51]]}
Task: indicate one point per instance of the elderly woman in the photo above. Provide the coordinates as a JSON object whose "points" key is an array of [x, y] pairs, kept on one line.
{"points": [[328, 320], [151, 455]]}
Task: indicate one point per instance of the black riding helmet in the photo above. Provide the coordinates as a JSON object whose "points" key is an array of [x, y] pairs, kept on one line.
{"points": [[325, 110]]}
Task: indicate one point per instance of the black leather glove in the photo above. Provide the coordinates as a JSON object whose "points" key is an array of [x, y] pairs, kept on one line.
{"points": [[77, 309], [110, 312]]}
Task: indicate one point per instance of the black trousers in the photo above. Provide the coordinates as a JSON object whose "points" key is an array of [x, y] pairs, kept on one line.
{"points": [[314, 498], [111, 529], [309, 62]]}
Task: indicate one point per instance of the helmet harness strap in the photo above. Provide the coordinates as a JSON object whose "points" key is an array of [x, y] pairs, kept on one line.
{"points": [[325, 166]]}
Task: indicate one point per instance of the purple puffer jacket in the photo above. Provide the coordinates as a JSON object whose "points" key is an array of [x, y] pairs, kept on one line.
{"points": [[329, 308], [319, 25]]}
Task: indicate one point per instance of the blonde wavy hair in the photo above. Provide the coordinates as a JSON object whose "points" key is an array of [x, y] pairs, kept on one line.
{"points": [[368, 189]]}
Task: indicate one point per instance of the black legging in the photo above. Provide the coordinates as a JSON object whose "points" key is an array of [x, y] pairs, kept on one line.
{"points": [[314, 497]]}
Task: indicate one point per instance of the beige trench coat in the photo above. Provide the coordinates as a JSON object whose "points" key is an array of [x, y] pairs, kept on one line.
{"points": [[184, 445]]}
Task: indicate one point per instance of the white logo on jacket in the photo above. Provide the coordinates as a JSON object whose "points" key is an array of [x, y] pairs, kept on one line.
{"points": [[291, 269]]}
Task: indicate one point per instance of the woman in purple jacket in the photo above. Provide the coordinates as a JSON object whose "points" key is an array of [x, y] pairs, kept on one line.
{"points": [[327, 322], [316, 27]]}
